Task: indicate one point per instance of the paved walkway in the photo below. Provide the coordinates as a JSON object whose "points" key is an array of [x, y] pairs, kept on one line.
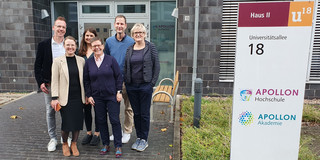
{"points": [[26, 137]]}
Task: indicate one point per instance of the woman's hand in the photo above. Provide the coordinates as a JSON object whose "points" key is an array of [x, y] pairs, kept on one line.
{"points": [[91, 101], [87, 101], [119, 97], [54, 104]]}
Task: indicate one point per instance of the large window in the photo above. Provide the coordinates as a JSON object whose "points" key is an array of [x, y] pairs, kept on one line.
{"points": [[228, 43], [69, 11], [95, 9], [163, 35], [132, 8]]}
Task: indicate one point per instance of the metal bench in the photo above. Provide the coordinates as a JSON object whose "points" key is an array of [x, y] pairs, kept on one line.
{"points": [[165, 94]]}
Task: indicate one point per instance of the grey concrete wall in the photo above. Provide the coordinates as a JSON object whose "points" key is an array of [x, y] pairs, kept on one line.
{"points": [[208, 47], [18, 43]]}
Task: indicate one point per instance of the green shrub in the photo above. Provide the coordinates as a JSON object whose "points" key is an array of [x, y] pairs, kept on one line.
{"points": [[305, 153], [212, 139], [311, 113]]}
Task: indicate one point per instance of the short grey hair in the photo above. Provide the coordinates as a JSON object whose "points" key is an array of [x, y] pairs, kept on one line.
{"points": [[138, 26]]}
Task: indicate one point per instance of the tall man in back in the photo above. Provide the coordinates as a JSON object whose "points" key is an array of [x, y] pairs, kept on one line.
{"points": [[116, 46], [47, 51]]}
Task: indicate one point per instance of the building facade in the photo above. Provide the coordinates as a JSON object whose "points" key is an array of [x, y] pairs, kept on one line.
{"points": [[24, 24]]}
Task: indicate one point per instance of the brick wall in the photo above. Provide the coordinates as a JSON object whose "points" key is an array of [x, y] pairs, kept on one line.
{"points": [[17, 44], [208, 46]]}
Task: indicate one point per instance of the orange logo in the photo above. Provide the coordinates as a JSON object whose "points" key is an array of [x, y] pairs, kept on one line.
{"points": [[300, 13]]}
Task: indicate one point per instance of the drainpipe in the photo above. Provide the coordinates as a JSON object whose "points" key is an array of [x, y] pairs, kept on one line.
{"points": [[195, 45]]}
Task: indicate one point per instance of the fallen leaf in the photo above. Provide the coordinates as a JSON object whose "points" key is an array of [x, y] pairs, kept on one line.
{"points": [[162, 112], [21, 108], [164, 129], [181, 119], [170, 145], [14, 117]]}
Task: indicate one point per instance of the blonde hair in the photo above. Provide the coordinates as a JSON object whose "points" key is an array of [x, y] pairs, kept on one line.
{"points": [[138, 26]]}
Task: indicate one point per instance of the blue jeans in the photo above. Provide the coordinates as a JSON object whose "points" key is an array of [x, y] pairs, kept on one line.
{"points": [[101, 108], [50, 115], [140, 99]]}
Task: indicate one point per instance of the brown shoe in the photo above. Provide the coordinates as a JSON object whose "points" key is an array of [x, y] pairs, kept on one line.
{"points": [[74, 149], [66, 149]]}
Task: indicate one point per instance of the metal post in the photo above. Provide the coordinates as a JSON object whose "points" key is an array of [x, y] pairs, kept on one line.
{"points": [[197, 102]]}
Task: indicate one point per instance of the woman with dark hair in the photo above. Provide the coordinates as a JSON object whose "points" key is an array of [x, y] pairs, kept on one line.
{"points": [[103, 86], [85, 49], [86, 52], [141, 72], [67, 90]]}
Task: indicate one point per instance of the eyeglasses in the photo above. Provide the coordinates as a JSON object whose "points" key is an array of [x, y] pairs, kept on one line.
{"points": [[95, 46], [136, 33], [58, 26]]}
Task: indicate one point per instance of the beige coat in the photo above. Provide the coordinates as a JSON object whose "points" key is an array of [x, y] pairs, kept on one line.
{"points": [[60, 78]]}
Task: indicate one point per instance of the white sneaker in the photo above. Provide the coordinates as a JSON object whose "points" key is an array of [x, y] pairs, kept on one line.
{"points": [[52, 145], [111, 138], [125, 138], [69, 141]]}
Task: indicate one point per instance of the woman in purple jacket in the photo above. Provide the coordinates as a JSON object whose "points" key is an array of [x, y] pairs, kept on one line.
{"points": [[103, 87]]}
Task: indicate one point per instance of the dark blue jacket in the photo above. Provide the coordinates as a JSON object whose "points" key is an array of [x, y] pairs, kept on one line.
{"points": [[151, 66], [102, 82], [43, 62]]}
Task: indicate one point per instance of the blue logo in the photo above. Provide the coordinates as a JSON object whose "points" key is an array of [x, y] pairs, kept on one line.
{"points": [[246, 118], [245, 95]]}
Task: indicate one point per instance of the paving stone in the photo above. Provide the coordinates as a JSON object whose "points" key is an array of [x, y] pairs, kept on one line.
{"points": [[26, 137]]}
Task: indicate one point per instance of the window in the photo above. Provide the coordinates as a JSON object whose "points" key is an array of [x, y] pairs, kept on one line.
{"points": [[314, 63], [141, 8], [228, 40], [67, 10], [95, 9]]}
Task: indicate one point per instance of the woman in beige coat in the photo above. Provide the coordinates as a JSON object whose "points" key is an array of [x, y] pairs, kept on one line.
{"points": [[68, 91]]}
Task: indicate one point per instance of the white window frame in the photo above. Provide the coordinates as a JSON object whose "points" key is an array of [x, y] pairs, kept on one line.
{"points": [[94, 15], [133, 15]]}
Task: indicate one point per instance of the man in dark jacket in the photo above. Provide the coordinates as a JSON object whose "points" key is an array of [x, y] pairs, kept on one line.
{"points": [[47, 51]]}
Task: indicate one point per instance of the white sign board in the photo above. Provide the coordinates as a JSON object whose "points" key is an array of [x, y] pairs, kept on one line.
{"points": [[273, 40]]}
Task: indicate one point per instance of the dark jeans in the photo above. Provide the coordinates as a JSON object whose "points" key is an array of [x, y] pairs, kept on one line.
{"points": [[88, 118], [140, 100], [102, 107]]}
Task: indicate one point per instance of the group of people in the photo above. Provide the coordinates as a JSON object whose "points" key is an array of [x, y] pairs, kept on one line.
{"points": [[98, 76]]}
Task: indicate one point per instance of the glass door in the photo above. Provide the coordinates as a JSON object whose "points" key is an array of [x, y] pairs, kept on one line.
{"points": [[131, 22], [104, 30]]}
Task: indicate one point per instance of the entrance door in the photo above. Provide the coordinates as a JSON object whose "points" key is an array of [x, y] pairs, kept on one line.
{"points": [[104, 30], [100, 16]]}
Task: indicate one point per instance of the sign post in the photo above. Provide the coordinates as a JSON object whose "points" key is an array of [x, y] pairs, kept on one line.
{"points": [[273, 40]]}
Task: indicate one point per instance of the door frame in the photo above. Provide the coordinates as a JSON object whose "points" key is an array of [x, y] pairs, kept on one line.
{"points": [[109, 17]]}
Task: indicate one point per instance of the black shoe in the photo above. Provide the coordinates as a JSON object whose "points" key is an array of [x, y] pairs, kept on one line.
{"points": [[86, 139], [95, 140]]}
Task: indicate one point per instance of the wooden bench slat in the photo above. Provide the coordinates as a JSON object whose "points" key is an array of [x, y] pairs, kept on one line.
{"points": [[164, 98]]}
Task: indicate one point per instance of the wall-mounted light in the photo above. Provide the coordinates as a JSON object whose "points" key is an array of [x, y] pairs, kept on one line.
{"points": [[44, 13], [175, 13]]}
